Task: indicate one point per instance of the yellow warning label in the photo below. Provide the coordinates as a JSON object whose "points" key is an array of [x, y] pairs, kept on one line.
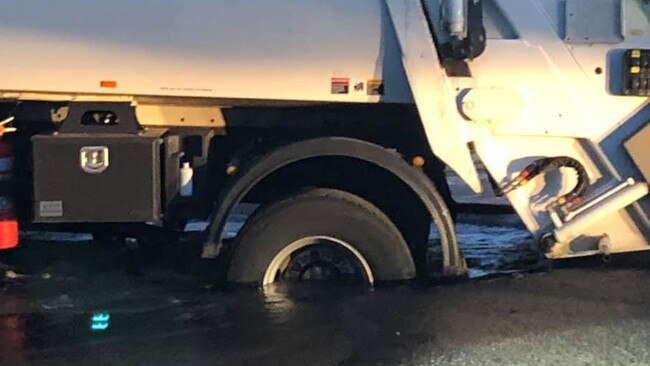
{"points": [[635, 70], [636, 53], [375, 87]]}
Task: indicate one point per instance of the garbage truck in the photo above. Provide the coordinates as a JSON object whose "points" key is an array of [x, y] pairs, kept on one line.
{"points": [[336, 119]]}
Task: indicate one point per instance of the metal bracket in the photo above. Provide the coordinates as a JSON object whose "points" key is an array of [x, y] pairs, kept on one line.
{"points": [[124, 114]]}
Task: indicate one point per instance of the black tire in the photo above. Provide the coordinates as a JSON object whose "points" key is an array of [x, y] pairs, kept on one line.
{"points": [[321, 212]]}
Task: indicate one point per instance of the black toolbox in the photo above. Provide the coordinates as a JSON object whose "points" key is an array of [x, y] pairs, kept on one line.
{"points": [[97, 178]]}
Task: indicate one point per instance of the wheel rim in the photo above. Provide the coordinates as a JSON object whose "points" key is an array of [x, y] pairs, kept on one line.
{"points": [[320, 258]]}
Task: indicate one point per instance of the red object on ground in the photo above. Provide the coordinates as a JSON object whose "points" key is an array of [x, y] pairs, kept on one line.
{"points": [[8, 233], [8, 221]]}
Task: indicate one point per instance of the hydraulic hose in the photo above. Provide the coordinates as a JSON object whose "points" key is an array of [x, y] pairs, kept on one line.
{"points": [[542, 166]]}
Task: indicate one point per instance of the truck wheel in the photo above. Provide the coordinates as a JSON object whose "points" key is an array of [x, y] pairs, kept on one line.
{"points": [[322, 235]]}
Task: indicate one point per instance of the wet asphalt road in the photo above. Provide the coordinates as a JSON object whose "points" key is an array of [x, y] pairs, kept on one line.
{"points": [[592, 314]]}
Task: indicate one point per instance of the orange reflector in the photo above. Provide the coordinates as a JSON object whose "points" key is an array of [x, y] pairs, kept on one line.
{"points": [[418, 162], [108, 84], [8, 234], [231, 170]]}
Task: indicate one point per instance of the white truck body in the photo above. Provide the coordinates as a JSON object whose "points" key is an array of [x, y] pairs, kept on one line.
{"points": [[547, 84], [278, 50]]}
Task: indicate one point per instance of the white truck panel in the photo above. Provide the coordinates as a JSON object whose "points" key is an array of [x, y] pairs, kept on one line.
{"points": [[569, 109], [256, 49], [433, 92]]}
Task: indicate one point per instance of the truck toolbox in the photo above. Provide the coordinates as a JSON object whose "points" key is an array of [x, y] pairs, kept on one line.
{"points": [[99, 178]]}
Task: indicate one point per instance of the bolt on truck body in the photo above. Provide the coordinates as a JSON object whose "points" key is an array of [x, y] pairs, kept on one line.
{"points": [[338, 118]]}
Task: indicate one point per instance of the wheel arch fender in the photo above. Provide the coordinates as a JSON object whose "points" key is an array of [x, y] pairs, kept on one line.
{"points": [[253, 173]]}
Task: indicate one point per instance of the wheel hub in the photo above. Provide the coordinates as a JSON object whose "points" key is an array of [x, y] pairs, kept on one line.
{"points": [[319, 259], [320, 262]]}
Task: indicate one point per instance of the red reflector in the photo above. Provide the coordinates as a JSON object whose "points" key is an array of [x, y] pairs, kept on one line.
{"points": [[8, 234], [108, 84]]}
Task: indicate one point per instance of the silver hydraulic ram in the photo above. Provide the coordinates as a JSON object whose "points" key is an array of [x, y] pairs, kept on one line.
{"points": [[463, 21], [454, 15], [578, 222]]}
